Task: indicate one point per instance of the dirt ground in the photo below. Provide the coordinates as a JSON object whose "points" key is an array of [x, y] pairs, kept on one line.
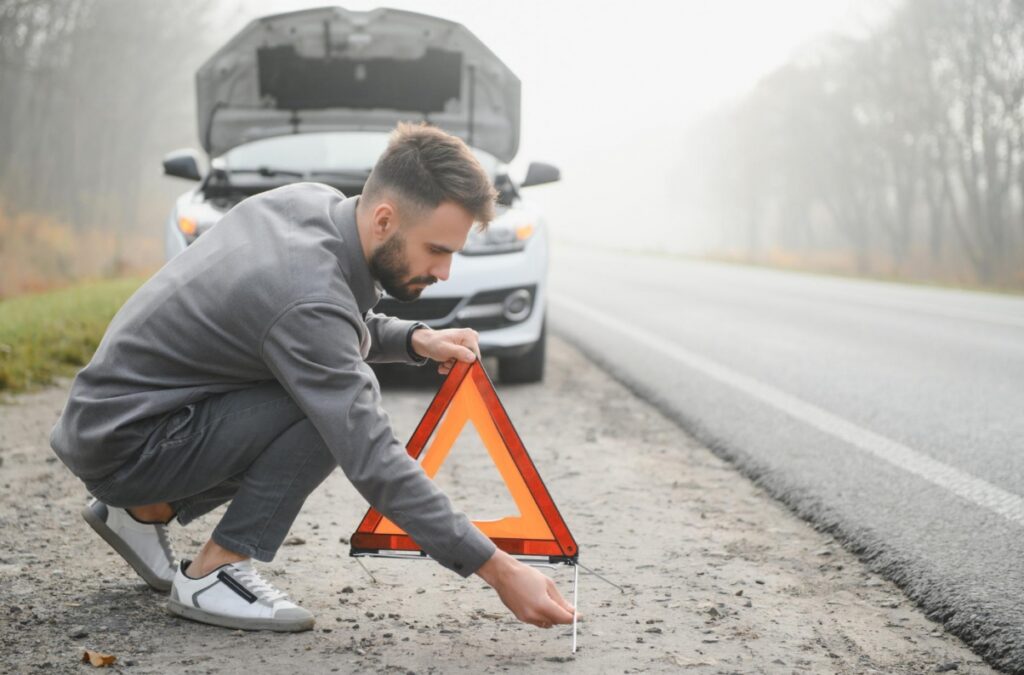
{"points": [[717, 577]]}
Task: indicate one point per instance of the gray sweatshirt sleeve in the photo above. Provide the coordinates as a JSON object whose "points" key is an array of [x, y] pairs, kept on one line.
{"points": [[313, 350], [389, 339]]}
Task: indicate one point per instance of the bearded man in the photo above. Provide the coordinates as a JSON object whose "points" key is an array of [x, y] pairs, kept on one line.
{"points": [[238, 374]]}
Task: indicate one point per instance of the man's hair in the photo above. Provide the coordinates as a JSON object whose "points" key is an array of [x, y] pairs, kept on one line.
{"points": [[425, 166]]}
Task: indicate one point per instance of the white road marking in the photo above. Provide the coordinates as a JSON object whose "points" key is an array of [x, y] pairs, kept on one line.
{"points": [[964, 485]]}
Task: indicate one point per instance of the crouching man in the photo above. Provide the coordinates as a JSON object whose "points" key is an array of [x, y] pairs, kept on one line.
{"points": [[238, 373]]}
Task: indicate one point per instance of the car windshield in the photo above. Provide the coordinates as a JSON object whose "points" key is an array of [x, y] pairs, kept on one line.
{"points": [[326, 152]]}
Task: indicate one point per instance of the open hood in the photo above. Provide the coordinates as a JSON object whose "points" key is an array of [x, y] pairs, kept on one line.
{"points": [[331, 69]]}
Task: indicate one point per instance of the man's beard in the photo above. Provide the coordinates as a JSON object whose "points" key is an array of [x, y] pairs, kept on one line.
{"points": [[389, 266]]}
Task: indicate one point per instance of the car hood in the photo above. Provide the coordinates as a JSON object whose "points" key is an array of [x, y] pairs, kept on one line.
{"points": [[331, 69]]}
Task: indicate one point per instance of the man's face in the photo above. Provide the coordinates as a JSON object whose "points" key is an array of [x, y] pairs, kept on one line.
{"points": [[419, 253]]}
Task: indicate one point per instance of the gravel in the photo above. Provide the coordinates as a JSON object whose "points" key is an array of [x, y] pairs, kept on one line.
{"points": [[715, 575]]}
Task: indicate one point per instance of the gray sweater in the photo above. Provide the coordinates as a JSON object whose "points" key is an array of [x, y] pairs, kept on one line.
{"points": [[278, 289]]}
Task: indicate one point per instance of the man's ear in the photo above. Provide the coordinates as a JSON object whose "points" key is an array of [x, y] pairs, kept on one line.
{"points": [[383, 221]]}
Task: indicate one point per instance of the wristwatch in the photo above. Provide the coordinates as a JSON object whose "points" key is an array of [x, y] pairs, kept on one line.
{"points": [[416, 358]]}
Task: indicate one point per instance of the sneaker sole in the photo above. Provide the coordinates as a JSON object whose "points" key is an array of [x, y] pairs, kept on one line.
{"points": [[241, 623], [125, 551]]}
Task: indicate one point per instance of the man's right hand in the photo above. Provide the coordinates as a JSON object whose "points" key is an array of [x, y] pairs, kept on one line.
{"points": [[530, 595]]}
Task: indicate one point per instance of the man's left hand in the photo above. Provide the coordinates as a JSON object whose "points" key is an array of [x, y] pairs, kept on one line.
{"points": [[447, 346]]}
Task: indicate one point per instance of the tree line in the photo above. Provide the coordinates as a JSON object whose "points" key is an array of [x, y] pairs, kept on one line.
{"points": [[900, 153], [92, 94]]}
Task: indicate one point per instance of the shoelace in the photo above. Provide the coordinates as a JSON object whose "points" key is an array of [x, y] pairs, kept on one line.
{"points": [[257, 584]]}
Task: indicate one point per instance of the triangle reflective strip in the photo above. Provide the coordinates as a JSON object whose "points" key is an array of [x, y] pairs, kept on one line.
{"points": [[467, 395]]}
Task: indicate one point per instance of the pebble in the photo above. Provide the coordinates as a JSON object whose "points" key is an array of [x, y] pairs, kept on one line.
{"points": [[946, 667], [347, 589], [294, 541], [77, 632]]}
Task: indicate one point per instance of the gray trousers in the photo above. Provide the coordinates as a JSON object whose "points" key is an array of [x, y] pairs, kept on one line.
{"points": [[253, 447]]}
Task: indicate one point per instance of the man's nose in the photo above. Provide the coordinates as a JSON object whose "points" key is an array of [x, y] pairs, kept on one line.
{"points": [[442, 270]]}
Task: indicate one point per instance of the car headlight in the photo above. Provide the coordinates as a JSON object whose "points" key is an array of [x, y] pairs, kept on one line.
{"points": [[196, 219], [503, 235]]}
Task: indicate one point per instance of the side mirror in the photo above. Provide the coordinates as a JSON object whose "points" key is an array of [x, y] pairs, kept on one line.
{"points": [[539, 173], [182, 164], [507, 192]]}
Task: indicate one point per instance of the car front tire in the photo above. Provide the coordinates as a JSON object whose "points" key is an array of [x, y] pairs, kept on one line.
{"points": [[526, 368]]}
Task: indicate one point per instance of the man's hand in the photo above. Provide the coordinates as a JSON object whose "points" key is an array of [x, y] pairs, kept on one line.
{"points": [[530, 595], [447, 346]]}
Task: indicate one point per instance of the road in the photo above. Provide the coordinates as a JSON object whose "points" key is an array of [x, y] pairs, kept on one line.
{"points": [[888, 414]]}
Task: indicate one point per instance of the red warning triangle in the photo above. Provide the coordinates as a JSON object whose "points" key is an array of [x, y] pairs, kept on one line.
{"points": [[468, 396]]}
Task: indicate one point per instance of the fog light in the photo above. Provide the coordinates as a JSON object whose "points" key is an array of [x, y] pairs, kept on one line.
{"points": [[517, 305], [188, 226]]}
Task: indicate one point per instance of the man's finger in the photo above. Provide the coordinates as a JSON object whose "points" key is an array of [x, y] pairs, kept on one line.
{"points": [[471, 339], [476, 349], [557, 597], [454, 351], [555, 613]]}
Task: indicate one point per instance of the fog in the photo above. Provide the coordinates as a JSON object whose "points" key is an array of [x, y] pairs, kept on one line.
{"points": [[678, 127], [609, 92]]}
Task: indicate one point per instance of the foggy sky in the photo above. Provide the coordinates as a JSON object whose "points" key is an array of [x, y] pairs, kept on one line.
{"points": [[609, 88]]}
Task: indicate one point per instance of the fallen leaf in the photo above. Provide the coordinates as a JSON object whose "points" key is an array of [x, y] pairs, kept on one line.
{"points": [[97, 659]]}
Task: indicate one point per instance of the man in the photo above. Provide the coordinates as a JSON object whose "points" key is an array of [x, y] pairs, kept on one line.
{"points": [[238, 373]]}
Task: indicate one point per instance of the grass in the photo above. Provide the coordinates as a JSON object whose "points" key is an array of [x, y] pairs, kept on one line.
{"points": [[52, 334]]}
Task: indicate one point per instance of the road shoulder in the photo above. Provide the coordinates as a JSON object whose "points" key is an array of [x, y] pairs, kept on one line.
{"points": [[717, 575]]}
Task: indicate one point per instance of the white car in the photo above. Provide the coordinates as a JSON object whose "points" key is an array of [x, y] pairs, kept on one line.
{"points": [[312, 96]]}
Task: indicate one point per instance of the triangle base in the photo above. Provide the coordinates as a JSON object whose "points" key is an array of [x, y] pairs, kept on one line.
{"points": [[368, 543]]}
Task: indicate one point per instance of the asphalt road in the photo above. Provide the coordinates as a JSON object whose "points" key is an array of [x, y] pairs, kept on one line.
{"points": [[891, 415]]}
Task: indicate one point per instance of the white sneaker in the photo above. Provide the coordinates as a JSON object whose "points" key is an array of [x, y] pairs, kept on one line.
{"points": [[235, 596], [144, 546]]}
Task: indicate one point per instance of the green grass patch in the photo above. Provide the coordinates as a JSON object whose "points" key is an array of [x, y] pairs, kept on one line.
{"points": [[46, 335]]}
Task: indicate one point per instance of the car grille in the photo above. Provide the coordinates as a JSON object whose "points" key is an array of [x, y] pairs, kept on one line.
{"points": [[424, 309], [436, 309]]}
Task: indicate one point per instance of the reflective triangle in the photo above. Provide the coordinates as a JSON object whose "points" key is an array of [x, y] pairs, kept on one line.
{"points": [[468, 396]]}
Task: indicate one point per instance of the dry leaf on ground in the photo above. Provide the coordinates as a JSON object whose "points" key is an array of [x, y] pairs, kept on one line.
{"points": [[97, 659]]}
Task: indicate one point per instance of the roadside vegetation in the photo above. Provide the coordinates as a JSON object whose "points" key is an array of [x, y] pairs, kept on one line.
{"points": [[45, 335]]}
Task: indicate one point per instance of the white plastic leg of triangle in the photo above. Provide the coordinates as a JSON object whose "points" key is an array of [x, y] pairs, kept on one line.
{"points": [[575, 599]]}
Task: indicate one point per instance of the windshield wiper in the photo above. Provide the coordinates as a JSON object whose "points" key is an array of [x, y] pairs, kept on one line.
{"points": [[269, 172], [340, 173]]}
